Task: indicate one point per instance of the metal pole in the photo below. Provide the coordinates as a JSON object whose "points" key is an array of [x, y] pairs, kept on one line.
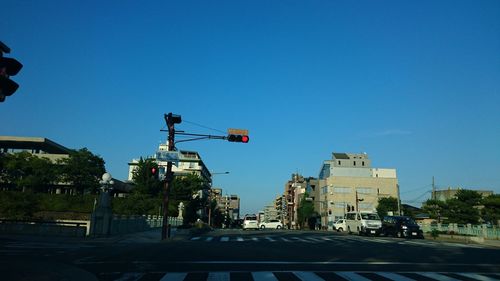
{"points": [[165, 232]]}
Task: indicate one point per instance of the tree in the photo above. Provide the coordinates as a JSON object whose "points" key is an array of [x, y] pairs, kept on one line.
{"points": [[145, 181], [491, 210], [305, 210], [24, 171], [182, 190], [82, 170], [387, 204], [464, 208], [434, 208]]}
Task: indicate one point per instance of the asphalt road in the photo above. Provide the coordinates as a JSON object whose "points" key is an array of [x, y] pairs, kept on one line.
{"points": [[237, 254]]}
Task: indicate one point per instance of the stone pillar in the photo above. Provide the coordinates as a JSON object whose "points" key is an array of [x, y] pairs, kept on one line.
{"points": [[100, 221]]}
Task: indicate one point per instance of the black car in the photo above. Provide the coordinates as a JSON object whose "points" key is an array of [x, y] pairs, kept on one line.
{"points": [[401, 226]]}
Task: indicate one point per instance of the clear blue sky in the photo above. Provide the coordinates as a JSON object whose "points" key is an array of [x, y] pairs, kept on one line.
{"points": [[415, 84]]}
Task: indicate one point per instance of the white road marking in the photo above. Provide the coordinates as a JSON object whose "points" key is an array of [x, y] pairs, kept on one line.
{"points": [[264, 276]]}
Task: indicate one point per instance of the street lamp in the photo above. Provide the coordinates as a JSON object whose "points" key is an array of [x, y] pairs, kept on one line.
{"points": [[102, 215]]}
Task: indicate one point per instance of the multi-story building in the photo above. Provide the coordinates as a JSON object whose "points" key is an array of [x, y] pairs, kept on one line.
{"points": [[294, 192], [190, 162], [349, 182], [280, 206], [271, 213], [228, 205]]}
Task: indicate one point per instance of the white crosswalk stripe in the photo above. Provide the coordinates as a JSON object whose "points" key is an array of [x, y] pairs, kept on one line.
{"points": [[310, 276], [394, 276], [352, 276]]}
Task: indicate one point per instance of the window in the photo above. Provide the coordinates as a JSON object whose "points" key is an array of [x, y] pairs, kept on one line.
{"points": [[324, 190], [354, 163], [364, 190], [365, 206], [363, 163], [339, 189]]}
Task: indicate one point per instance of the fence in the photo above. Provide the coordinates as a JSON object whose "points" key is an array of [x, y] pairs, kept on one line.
{"points": [[130, 224], [471, 230]]}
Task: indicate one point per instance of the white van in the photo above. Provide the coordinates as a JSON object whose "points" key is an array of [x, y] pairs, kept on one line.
{"points": [[363, 223]]}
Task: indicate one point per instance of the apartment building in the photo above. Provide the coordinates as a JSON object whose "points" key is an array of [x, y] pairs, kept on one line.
{"points": [[349, 182], [190, 162], [295, 188]]}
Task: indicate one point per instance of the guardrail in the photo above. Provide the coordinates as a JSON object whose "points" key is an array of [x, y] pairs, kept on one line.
{"points": [[40, 227]]}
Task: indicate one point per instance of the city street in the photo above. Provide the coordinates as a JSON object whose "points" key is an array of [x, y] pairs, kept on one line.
{"points": [[245, 255]]}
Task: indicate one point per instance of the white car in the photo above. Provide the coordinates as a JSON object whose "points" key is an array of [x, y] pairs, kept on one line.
{"points": [[339, 225], [250, 222], [271, 224]]}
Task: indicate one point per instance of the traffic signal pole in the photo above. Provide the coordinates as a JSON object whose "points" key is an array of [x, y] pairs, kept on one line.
{"points": [[170, 119]]}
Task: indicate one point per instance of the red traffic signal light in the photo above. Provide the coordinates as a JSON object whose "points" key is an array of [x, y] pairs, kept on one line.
{"points": [[238, 138]]}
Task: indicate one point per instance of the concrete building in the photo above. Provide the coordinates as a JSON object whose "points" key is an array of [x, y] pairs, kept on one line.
{"points": [[294, 192], [228, 205], [451, 193], [190, 162], [271, 212], [40, 147], [349, 181]]}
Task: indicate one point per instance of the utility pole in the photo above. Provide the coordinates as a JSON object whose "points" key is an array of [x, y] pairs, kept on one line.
{"points": [[433, 189], [171, 120]]}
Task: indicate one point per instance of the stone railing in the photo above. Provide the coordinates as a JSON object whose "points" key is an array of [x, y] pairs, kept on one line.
{"points": [[468, 229]]}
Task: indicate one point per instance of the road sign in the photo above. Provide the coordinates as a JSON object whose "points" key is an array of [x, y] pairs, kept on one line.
{"points": [[167, 156], [242, 132]]}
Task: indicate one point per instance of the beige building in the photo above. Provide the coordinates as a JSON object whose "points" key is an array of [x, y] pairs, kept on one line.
{"points": [[347, 182], [451, 193]]}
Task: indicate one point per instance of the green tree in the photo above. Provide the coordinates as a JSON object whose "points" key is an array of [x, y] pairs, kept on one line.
{"points": [[491, 210], [24, 171], [435, 208], [464, 208], [305, 210], [82, 170], [387, 204], [145, 182], [183, 189]]}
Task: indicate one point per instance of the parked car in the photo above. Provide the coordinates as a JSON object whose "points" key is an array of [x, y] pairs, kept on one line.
{"points": [[363, 223], [250, 222], [272, 224], [401, 226], [339, 225]]}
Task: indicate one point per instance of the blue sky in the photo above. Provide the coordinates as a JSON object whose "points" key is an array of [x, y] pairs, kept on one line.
{"points": [[415, 84]]}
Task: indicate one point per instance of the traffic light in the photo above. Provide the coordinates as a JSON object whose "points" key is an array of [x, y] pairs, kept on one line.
{"points": [[154, 172], [238, 138], [8, 67]]}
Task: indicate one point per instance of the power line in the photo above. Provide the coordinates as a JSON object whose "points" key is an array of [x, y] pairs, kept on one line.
{"points": [[203, 126]]}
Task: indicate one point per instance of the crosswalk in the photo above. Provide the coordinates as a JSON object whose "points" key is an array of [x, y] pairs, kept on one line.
{"points": [[326, 239], [298, 275]]}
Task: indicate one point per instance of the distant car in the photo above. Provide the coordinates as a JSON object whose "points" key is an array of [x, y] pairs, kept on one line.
{"points": [[250, 222], [339, 225], [271, 224], [401, 226]]}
